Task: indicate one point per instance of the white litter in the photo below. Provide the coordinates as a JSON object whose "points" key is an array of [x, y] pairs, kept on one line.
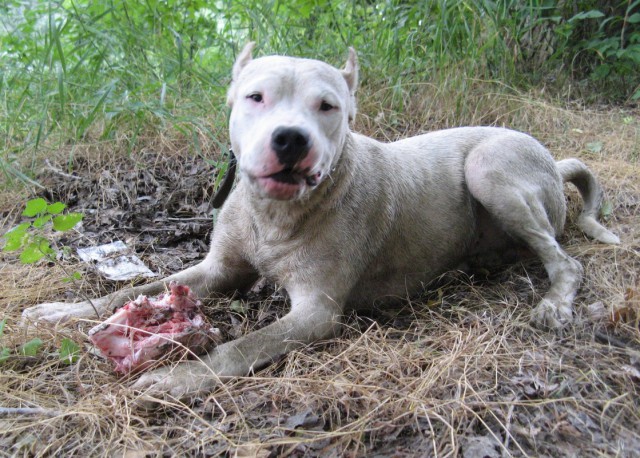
{"points": [[115, 261]]}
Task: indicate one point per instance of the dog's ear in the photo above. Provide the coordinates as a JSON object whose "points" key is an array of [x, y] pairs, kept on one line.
{"points": [[241, 61], [350, 71], [350, 74]]}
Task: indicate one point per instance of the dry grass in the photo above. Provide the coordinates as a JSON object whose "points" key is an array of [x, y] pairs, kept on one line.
{"points": [[458, 371]]}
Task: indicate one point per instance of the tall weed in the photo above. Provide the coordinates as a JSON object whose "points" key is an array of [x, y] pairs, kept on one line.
{"points": [[77, 69]]}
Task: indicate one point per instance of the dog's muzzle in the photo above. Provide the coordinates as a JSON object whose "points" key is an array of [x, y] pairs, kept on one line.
{"points": [[291, 147]]}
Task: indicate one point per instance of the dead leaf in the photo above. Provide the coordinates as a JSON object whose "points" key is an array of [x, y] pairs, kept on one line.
{"points": [[305, 419], [533, 387], [631, 371], [629, 311], [567, 429], [480, 447], [134, 453], [252, 451]]}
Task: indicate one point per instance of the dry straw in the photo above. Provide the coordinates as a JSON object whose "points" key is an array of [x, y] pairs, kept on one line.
{"points": [[457, 371]]}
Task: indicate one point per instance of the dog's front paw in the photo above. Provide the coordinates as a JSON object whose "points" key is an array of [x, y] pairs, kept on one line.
{"points": [[56, 312], [183, 381], [550, 315]]}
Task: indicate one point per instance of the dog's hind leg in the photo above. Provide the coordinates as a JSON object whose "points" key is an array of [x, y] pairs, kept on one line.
{"points": [[526, 199], [555, 310], [530, 225]]}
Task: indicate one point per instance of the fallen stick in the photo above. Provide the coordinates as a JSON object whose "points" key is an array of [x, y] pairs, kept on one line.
{"points": [[13, 411]]}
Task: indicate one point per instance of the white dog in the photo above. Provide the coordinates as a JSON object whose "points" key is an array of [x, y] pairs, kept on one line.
{"points": [[343, 221]]}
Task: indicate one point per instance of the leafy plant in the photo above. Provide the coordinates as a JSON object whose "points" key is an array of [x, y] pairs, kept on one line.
{"points": [[29, 237], [79, 69], [603, 40], [68, 352], [29, 348], [4, 351]]}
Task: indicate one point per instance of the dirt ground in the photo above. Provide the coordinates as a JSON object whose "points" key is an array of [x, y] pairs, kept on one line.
{"points": [[457, 371]]}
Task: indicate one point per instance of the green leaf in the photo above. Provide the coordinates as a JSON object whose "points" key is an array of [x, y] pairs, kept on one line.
{"points": [[35, 207], [31, 348], [35, 251], [602, 71], [19, 229], [56, 208], [73, 277], [606, 210], [65, 222], [4, 354], [634, 18], [2, 324], [238, 307], [16, 237], [593, 14], [41, 221], [86, 122], [595, 147], [69, 351]]}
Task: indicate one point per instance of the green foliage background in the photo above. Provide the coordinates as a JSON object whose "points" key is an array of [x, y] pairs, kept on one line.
{"points": [[70, 68]]}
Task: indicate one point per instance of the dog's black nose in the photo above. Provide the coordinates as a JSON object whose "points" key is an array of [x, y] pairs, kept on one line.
{"points": [[291, 144]]}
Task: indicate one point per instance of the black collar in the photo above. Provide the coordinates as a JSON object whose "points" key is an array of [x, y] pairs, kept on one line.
{"points": [[227, 182]]}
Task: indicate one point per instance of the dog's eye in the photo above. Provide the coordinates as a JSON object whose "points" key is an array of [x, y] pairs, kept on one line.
{"points": [[324, 106], [256, 97]]}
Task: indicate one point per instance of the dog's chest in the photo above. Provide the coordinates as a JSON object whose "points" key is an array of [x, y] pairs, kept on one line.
{"points": [[299, 250], [276, 249]]}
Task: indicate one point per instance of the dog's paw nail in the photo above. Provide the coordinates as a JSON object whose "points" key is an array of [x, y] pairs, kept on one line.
{"points": [[150, 381], [550, 316], [150, 401], [181, 383]]}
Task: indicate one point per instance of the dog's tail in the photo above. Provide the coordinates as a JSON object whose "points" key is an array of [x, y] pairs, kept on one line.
{"points": [[576, 172]]}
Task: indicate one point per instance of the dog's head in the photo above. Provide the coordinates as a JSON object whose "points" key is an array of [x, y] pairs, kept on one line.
{"points": [[289, 120]]}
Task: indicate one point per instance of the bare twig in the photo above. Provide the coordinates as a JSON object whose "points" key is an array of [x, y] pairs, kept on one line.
{"points": [[55, 169], [14, 411]]}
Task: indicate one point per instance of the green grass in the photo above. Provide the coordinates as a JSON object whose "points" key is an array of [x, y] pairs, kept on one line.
{"points": [[77, 70]]}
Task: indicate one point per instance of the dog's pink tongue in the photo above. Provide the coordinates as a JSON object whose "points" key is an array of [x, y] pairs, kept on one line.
{"points": [[146, 330]]}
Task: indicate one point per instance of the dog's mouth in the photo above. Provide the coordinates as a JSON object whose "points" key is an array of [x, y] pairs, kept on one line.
{"points": [[288, 183], [292, 176]]}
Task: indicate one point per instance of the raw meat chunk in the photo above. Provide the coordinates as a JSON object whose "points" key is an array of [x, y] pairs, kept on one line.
{"points": [[146, 329]]}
